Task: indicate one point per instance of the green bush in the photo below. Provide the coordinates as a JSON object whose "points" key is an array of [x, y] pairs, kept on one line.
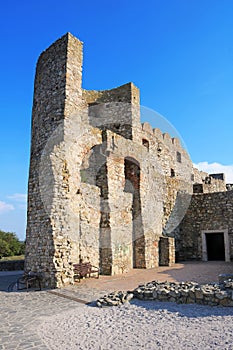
{"points": [[10, 244]]}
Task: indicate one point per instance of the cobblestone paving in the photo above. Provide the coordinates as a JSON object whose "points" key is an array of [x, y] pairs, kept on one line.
{"points": [[22, 312], [81, 293]]}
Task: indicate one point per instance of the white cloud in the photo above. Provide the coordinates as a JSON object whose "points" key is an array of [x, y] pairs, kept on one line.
{"points": [[214, 168], [18, 197], [4, 207]]}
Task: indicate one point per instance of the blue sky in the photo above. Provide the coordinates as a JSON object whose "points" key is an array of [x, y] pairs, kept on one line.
{"points": [[178, 52]]}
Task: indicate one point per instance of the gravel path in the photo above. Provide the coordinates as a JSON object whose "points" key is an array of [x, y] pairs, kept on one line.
{"points": [[22, 313], [140, 325], [45, 321]]}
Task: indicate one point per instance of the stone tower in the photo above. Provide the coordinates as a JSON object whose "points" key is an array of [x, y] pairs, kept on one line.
{"points": [[57, 93], [102, 187]]}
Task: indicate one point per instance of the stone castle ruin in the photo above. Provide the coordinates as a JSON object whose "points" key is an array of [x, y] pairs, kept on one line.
{"points": [[107, 189]]}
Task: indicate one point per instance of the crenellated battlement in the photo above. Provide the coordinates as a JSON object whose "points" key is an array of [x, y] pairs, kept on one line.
{"points": [[165, 138], [168, 149], [147, 128]]}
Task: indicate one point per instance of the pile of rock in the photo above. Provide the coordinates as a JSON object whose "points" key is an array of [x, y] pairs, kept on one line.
{"points": [[228, 284], [115, 298], [183, 293], [226, 280], [187, 292]]}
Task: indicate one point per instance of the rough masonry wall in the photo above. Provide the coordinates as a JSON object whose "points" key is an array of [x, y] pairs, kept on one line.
{"points": [[48, 112], [49, 246], [135, 215], [208, 183], [158, 195], [115, 109], [102, 187], [207, 212], [172, 162]]}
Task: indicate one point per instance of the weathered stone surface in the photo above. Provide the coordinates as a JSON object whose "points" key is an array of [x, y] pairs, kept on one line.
{"points": [[102, 186], [115, 299], [185, 292], [11, 265], [182, 293], [92, 189], [208, 213]]}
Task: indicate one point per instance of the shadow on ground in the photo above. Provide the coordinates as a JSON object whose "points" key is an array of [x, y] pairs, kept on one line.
{"points": [[7, 278], [184, 310]]}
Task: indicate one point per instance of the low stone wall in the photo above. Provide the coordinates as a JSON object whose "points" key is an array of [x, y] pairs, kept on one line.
{"points": [[12, 265], [186, 292], [213, 294]]}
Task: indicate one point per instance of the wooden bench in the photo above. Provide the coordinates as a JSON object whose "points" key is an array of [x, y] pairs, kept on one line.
{"points": [[83, 270], [28, 279]]}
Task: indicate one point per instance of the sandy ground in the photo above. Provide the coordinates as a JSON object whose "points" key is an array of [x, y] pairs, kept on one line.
{"points": [[196, 271], [140, 325]]}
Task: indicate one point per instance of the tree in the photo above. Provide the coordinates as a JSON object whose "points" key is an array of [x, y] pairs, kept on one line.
{"points": [[10, 244], [4, 248]]}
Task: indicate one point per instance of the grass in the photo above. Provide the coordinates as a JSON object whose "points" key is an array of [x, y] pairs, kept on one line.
{"points": [[15, 257]]}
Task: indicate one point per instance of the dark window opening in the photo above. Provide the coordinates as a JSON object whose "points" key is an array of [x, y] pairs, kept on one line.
{"points": [[92, 104], [159, 149], [219, 176], [145, 143], [173, 173], [208, 180], [178, 157], [117, 126], [197, 188]]}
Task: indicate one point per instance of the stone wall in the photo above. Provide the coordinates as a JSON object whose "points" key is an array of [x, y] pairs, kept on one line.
{"points": [[172, 162], [186, 293], [211, 294], [56, 94], [210, 212], [166, 248], [11, 265], [102, 186], [208, 183], [114, 109]]}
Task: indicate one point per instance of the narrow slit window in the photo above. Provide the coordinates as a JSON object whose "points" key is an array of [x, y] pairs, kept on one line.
{"points": [[178, 157]]}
